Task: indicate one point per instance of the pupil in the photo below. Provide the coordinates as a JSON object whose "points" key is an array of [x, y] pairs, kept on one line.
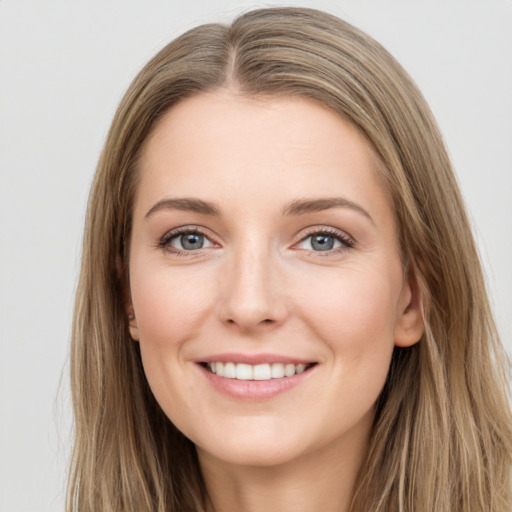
{"points": [[192, 241], [322, 242]]}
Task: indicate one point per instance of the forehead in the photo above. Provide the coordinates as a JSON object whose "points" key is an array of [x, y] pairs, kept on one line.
{"points": [[224, 144]]}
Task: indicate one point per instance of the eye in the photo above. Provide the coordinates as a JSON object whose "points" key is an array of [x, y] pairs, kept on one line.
{"points": [[324, 241], [190, 242], [185, 240]]}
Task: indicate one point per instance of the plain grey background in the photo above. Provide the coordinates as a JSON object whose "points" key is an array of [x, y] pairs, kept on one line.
{"points": [[63, 68]]}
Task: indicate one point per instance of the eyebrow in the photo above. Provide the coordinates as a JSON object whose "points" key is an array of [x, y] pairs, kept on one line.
{"points": [[186, 204], [295, 208], [304, 206]]}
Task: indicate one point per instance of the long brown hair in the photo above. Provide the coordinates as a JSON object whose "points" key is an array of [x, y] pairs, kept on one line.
{"points": [[442, 434]]}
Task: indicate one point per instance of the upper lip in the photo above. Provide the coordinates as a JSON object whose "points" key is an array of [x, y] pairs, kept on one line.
{"points": [[253, 359]]}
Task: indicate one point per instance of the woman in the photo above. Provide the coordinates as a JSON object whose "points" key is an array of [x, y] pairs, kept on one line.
{"points": [[281, 304]]}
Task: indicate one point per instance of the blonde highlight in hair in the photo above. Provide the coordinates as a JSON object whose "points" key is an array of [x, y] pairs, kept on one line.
{"points": [[442, 434]]}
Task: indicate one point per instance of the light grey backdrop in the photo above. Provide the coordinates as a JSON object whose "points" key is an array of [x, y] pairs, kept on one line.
{"points": [[63, 68]]}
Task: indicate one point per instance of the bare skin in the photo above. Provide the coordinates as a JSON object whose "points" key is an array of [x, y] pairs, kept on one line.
{"points": [[302, 485], [263, 238]]}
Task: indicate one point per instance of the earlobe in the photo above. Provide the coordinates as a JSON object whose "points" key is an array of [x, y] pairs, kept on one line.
{"points": [[410, 325]]}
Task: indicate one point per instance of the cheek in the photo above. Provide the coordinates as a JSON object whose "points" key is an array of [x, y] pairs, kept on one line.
{"points": [[355, 317], [357, 323], [169, 305], [170, 308], [354, 312]]}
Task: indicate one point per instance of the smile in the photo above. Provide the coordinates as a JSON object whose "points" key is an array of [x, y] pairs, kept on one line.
{"points": [[266, 371], [255, 377]]}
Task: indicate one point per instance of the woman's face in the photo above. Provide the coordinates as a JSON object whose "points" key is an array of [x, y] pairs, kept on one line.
{"points": [[265, 249]]}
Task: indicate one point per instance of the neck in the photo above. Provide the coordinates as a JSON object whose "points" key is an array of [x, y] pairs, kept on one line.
{"points": [[322, 480]]}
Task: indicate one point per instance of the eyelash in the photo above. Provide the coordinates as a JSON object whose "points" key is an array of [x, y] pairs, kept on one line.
{"points": [[346, 241], [165, 242]]}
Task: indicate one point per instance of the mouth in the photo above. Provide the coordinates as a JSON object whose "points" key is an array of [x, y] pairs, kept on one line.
{"points": [[257, 372], [255, 377]]}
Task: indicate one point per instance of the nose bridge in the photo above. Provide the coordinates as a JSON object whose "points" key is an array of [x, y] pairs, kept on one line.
{"points": [[251, 285]]}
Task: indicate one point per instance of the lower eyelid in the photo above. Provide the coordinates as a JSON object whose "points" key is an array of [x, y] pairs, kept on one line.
{"points": [[340, 247]]}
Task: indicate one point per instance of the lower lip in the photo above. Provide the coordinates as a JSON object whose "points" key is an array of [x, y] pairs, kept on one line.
{"points": [[254, 390]]}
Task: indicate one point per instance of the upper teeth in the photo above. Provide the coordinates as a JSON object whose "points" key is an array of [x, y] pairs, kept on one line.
{"points": [[243, 371]]}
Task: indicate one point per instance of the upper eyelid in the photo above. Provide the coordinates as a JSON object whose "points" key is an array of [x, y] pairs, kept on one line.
{"points": [[186, 229], [166, 238], [304, 233]]}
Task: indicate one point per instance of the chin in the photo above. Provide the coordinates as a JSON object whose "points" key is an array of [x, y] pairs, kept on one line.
{"points": [[267, 454], [251, 443]]}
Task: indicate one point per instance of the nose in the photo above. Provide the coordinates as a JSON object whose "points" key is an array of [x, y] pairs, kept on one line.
{"points": [[252, 298]]}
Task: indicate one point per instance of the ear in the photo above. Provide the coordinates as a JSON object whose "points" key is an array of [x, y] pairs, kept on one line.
{"points": [[410, 325], [127, 300], [132, 322]]}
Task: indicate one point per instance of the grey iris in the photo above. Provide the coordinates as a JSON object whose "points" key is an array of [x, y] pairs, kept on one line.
{"points": [[192, 241], [322, 242]]}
